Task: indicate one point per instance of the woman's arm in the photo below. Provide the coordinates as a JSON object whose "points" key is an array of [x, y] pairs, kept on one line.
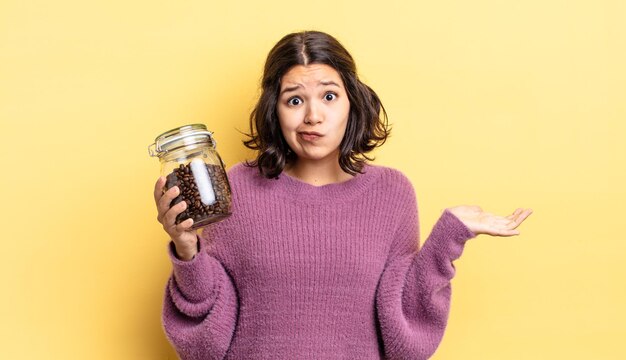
{"points": [[200, 306], [413, 298]]}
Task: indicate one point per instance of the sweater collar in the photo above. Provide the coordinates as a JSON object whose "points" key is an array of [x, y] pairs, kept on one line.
{"points": [[292, 188]]}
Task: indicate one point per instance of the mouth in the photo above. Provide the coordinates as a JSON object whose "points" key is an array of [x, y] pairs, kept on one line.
{"points": [[309, 135]]}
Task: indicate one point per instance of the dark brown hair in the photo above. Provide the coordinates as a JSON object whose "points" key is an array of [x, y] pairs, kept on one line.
{"points": [[365, 129]]}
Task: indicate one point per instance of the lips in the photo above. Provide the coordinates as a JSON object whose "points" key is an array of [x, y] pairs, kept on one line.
{"points": [[309, 135]]}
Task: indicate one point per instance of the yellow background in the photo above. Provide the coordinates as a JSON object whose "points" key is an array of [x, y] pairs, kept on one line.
{"points": [[502, 104]]}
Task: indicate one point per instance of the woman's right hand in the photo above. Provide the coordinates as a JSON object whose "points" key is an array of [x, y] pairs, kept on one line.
{"points": [[185, 239]]}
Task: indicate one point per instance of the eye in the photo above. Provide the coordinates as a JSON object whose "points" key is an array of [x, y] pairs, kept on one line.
{"points": [[330, 96], [294, 101]]}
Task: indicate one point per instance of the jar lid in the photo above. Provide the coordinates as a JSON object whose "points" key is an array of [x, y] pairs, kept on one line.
{"points": [[180, 137]]}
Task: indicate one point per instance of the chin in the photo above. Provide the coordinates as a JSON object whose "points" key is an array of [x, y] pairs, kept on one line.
{"points": [[314, 157], [317, 154]]}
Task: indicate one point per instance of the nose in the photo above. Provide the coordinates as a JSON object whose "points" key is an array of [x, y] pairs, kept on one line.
{"points": [[313, 114]]}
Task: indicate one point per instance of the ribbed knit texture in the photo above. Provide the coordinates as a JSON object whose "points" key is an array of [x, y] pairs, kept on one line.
{"points": [[306, 272]]}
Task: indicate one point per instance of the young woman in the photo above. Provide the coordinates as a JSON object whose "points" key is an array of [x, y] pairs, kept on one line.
{"points": [[320, 258]]}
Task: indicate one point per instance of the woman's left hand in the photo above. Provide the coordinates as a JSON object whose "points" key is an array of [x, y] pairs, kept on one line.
{"points": [[480, 222]]}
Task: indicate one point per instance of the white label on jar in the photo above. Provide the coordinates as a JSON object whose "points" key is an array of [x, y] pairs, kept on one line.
{"points": [[203, 181]]}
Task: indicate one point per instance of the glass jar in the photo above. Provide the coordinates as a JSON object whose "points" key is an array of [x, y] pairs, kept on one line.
{"points": [[190, 161]]}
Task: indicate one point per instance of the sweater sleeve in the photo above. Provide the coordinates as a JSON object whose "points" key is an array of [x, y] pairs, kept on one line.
{"points": [[200, 306], [413, 297]]}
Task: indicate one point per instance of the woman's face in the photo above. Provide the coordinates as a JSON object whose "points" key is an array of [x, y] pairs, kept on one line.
{"points": [[313, 111]]}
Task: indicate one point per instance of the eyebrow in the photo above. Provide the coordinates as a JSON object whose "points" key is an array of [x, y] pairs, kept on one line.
{"points": [[295, 87], [329, 82]]}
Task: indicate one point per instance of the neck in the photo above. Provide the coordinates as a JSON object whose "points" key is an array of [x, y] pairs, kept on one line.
{"points": [[318, 173]]}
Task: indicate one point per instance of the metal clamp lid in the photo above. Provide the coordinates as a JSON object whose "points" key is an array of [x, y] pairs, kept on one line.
{"points": [[159, 147]]}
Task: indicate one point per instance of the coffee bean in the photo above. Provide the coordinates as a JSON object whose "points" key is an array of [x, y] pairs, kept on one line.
{"points": [[183, 177]]}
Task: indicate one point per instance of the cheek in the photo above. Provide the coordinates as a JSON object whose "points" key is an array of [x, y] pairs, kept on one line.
{"points": [[345, 115], [287, 119], [286, 128], [344, 108]]}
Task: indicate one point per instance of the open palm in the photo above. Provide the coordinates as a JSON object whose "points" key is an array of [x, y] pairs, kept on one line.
{"points": [[480, 222]]}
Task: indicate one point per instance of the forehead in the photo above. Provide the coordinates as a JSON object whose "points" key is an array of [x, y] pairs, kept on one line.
{"points": [[310, 74]]}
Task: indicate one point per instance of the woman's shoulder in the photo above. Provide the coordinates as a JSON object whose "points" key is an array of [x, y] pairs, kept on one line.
{"points": [[392, 176], [395, 187], [242, 173], [238, 169]]}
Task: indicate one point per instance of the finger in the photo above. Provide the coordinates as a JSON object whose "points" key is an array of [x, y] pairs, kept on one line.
{"points": [[165, 202], [169, 219], [166, 199], [515, 213], [502, 232], [158, 189], [509, 233], [524, 215], [185, 225], [519, 219]]}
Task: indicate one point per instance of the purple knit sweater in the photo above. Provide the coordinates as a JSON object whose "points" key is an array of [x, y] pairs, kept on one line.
{"points": [[306, 272]]}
